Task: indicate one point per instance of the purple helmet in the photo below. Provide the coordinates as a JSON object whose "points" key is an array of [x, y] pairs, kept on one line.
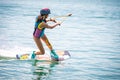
{"points": [[45, 11]]}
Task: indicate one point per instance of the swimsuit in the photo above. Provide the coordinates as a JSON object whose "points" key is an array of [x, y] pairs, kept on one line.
{"points": [[39, 31]]}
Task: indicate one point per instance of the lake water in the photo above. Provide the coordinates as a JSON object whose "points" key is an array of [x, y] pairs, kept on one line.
{"points": [[91, 35]]}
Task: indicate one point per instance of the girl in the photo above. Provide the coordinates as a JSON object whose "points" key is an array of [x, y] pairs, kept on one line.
{"points": [[38, 35]]}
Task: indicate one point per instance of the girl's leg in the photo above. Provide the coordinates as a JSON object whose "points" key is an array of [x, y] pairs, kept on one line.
{"points": [[53, 53], [45, 39], [39, 45]]}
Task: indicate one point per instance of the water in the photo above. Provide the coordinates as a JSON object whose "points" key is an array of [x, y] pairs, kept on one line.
{"points": [[91, 35]]}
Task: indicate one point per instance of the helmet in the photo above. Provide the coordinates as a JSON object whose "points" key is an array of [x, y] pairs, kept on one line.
{"points": [[45, 11]]}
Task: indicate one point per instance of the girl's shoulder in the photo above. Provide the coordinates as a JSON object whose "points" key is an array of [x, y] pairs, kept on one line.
{"points": [[38, 18]]}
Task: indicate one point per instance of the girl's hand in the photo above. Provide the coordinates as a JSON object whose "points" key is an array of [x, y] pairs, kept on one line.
{"points": [[58, 23]]}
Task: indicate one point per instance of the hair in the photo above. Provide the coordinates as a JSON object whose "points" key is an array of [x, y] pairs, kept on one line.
{"points": [[44, 14]]}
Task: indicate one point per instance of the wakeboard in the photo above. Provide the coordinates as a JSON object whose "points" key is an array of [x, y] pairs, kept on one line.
{"points": [[62, 55]]}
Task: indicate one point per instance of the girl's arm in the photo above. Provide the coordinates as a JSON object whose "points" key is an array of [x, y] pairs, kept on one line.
{"points": [[51, 19], [49, 26]]}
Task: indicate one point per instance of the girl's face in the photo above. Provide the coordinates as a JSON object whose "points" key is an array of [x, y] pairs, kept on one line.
{"points": [[46, 16]]}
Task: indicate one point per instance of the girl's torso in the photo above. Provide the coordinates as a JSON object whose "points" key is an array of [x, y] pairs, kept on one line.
{"points": [[39, 30]]}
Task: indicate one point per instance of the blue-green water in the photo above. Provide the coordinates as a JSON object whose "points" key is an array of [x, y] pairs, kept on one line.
{"points": [[91, 35]]}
